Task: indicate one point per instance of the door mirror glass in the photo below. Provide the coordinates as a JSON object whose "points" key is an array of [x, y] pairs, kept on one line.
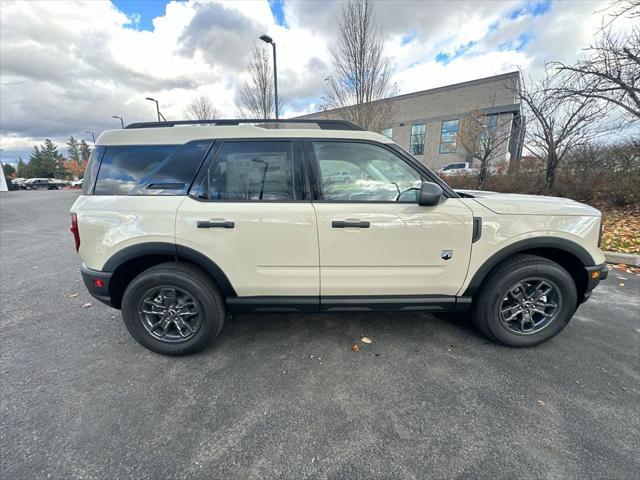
{"points": [[430, 194]]}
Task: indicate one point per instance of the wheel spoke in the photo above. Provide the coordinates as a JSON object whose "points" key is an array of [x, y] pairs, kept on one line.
{"points": [[541, 290], [510, 312], [168, 295], [181, 324], [517, 292]]}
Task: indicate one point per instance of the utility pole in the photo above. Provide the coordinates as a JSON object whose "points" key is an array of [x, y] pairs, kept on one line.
{"points": [[119, 118], [268, 39]]}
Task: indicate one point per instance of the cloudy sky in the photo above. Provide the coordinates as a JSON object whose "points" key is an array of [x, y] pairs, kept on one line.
{"points": [[68, 66]]}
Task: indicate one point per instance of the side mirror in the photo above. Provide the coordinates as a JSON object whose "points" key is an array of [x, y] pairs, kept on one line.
{"points": [[430, 194]]}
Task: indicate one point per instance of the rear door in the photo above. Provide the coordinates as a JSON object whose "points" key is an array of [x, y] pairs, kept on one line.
{"points": [[250, 213], [375, 240]]}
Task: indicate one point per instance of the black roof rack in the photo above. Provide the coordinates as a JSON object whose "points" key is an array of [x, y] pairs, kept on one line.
{"points": [[323, 124]]}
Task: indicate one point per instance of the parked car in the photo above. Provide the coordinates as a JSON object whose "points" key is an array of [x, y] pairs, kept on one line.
{"points": [[76, 184], [18, 183], [459, 168], [179, 226], [42, 184]]}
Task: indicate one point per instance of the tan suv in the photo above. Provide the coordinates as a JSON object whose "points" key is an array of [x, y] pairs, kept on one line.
{"points": [[180, 223]]}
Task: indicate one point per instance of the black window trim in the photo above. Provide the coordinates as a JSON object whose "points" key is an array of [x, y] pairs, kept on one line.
{"points": [[315, 176], [301, 191]]}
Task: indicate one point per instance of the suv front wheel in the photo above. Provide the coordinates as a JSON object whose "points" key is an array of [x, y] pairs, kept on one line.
{"points": [[526, 301], [173, 309]]}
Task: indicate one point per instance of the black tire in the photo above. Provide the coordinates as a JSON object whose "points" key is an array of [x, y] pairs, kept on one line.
{"points": [[190, 281], [489, 302]]}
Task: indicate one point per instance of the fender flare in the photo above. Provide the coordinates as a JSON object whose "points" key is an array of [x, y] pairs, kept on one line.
{"points": [[178, 252], [567, 246]]}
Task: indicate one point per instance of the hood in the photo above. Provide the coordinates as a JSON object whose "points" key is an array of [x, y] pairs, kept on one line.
{"points": [[516, 204]]}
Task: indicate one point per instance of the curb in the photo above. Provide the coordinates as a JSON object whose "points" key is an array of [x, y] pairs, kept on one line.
{"points": [[626, 258]]}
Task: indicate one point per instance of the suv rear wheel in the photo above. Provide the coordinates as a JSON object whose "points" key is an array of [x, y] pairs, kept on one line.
{"points": [[526, 301], [173, 309]]}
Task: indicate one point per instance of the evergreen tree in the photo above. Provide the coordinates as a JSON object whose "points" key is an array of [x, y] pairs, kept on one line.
{"points": [[9, 170], [73, 150], [23, 169], [46, 161], [85, 151]]}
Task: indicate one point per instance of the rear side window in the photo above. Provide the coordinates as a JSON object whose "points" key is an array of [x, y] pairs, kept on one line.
{"points": [[123, 167], [247, 171], [174, 174], [91, 172]]}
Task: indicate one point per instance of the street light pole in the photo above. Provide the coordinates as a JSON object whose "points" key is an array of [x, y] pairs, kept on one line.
{"points": [[119, 118], [268, 39], [93, 136], [157, 108]]}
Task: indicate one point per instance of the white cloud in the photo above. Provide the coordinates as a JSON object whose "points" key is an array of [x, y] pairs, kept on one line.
{"points": [[67, 67]]}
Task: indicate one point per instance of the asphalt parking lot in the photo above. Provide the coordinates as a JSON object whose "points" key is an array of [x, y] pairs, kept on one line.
{"points": [[284, 396]]}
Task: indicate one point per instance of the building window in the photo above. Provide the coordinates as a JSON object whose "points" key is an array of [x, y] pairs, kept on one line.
{"points": [[491, 121], [418, 132], [388, 132], [448, 136]]}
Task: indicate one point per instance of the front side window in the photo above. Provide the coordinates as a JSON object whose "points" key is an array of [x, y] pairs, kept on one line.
{"points": [[449, 136], [418, 132], [388, 132], [360, 172], [123, 167], [249, 171]]}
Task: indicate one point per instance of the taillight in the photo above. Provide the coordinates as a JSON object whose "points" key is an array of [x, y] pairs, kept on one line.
{"points": [[75, 231]]}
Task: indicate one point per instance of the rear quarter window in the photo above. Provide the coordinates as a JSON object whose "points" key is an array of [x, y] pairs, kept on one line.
{"points": [[122, 167], [150, 169], [91, 172]]}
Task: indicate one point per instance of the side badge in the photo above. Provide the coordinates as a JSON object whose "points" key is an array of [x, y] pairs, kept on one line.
{"points": [[446, 254]]}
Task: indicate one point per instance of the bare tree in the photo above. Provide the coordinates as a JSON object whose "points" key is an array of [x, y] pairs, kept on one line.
{"points": [[201, 108], [361, 82], [256, 98], [611, 69], [555, 123], [483, 138]]}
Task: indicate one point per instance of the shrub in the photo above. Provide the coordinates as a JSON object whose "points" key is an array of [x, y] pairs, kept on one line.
{"points": [[594, 174]]}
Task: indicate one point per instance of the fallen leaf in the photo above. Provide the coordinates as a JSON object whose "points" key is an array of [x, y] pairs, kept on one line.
{"points": [[366, 340], [73, 295], [355, 347], [621, 284], [87, 305], [540, 402]]}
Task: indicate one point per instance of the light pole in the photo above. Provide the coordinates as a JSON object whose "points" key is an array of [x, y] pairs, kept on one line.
{"points": [[119, 118], [157, 108], [93, 136], [268, 39]]}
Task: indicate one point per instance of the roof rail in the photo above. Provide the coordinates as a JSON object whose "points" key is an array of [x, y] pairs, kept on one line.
{"points": [[323, 124]]}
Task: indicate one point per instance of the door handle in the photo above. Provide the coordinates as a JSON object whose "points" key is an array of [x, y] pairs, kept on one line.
{"points": [[350, 224], [220, 224]]}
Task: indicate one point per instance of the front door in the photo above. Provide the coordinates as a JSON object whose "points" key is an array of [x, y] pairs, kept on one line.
{"points": [[252, 218], [374, 238]]}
